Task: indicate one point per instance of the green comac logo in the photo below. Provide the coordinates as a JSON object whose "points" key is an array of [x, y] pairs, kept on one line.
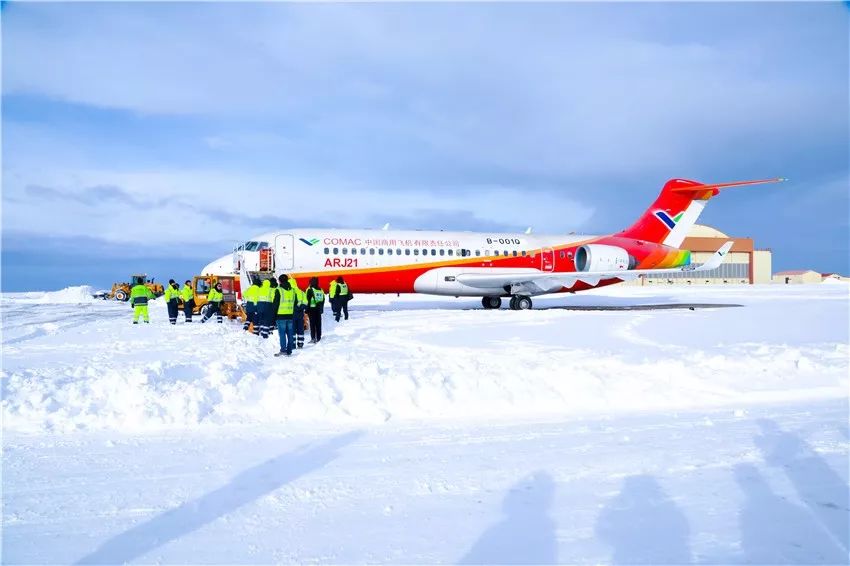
{"points": [[310, 242]]}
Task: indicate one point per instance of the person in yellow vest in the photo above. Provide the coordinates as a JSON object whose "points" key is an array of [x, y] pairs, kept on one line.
{"points": [[172, 293], [251, 296], [332, 295], [139, 297], [342, 294], [214, 298], [284, 305], [315, 306], [298, 314], [271, 324], [188, 296], [264, 307]]}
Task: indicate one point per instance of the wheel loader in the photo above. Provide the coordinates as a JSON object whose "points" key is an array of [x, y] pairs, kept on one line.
{"points": [[230, 306], [121, 291]]}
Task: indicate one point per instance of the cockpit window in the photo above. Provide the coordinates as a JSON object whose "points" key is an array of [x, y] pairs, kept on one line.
{"points": [[251, 246], [263, 246]]}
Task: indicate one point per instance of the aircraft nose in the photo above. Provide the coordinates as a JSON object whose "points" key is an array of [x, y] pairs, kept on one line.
{"points": [[220, 266]]}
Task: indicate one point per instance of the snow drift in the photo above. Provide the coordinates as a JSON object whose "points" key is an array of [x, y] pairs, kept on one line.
{"points": [[400, 359], [69, 295]]}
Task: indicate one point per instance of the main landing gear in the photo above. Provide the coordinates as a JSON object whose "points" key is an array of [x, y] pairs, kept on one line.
{"points": [[518, 302]]}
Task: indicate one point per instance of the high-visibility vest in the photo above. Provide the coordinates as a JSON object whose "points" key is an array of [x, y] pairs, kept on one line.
{"points": [[139, 295], [332, 288], [187, 293], [253, 293], [343, 289], [317, 298], [287, 301], [215, 296], [301, 296], [266, 294], [171, 293]]}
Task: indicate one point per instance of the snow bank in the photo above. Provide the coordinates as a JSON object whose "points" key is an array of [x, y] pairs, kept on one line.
{"points": [[435, 360], [68, 295]]}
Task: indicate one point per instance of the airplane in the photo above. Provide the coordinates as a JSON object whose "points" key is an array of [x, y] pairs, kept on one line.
{"points": [[483, 264]]}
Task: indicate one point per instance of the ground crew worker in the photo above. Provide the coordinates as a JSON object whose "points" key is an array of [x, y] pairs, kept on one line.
{"points": [[139, 297], [298, 313], [334, 300], [315, 306], [272, 320], [264, 305], [343, 295], [214, 298], [172, 293], [251, 296], [284, 306], [188, 296]]}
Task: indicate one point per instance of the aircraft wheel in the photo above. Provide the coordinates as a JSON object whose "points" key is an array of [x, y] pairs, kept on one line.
{"points": [[523, 303], [512, 303], [491, 302]]}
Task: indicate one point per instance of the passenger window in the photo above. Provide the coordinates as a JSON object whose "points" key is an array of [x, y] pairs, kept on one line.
{"points": [[523, 253], [514, 254], [416, 251], [477, 253], [424, 252], [336, 251], [353, 251], [442, 252], [398, 251], [407, 252], [371, 251], [362, 251], [327, 251], [380, 251], [506, 253], [433, 252], [495, 253], [344, 251], [451, 252], [389, 251]]}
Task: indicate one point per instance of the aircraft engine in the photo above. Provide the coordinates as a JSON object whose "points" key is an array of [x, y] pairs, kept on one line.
{"points": [[599, 257]]}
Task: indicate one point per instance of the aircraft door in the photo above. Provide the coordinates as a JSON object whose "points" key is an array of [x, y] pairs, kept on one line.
{"points": [[284, 252], [547, 259]]}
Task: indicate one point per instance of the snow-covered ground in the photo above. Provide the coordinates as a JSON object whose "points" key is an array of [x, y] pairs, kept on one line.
{"points": [[611, 426]]}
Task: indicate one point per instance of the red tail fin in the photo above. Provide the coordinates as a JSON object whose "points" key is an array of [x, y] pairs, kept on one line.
{"points": [[676, 210]]}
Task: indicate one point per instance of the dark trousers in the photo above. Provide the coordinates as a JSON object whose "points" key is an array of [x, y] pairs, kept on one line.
{"points": [[298, 323], [287, 337], [315, 316], [250, 316], [215, 309], [172, 311], [262, 318], [187, 309], [343, 304], [335, 307]]}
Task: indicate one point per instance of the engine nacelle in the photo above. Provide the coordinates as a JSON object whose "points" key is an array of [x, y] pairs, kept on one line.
{"points": [[599, 257]]}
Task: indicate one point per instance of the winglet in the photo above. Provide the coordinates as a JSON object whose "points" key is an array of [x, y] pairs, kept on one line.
{"points": [[717, 258]]}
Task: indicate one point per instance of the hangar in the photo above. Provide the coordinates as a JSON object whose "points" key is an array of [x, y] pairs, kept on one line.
{"points": [[744, 264]]}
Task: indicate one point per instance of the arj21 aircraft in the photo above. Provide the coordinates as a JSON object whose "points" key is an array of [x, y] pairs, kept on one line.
{"points": [[487, 265]]}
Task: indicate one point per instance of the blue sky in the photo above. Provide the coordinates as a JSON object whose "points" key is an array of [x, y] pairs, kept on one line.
{"points": [[152, 136]]}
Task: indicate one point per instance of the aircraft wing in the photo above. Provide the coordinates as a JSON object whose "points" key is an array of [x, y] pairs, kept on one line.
{"points": [[543, 282]]}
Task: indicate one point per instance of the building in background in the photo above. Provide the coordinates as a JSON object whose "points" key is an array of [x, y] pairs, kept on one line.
{"points": [[797, 277], [743, 264], [833, 277]]}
